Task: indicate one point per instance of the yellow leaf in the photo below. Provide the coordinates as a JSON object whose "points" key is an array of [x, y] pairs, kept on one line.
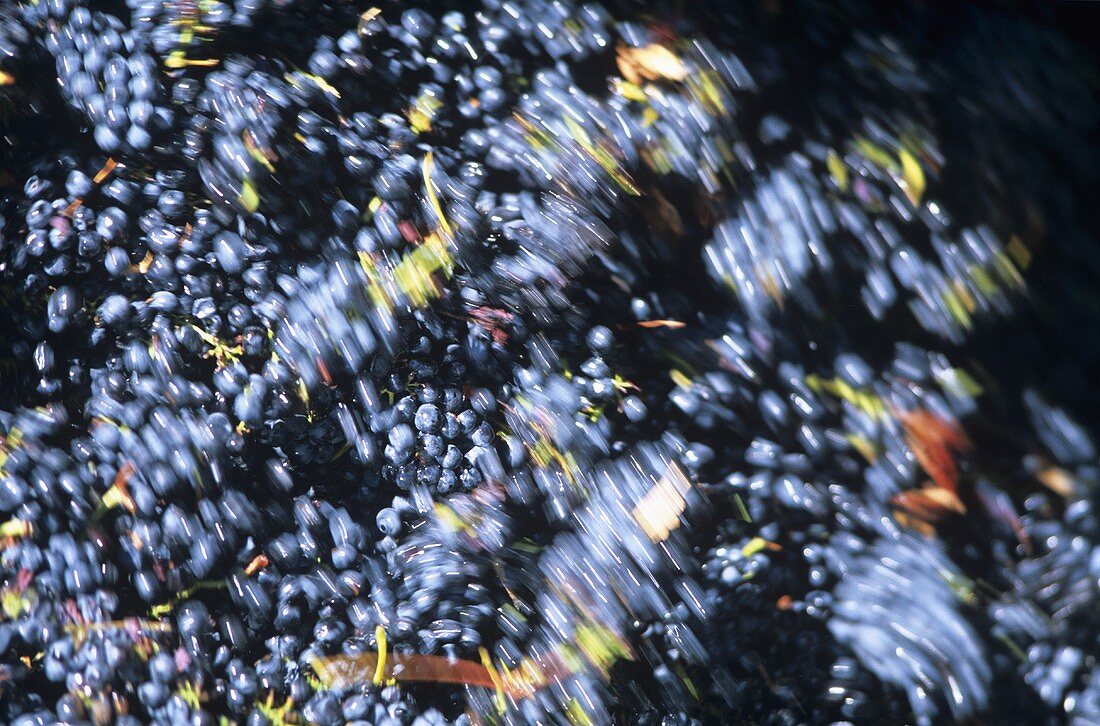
{"points": [[1019, 252], [176, 59], [421, 113], [12, 603], [630, 91], [837, 170], [578, 133], [323, 84], [707, 87], [380, 669], [863, 446], [250, 200], [754, 545], [679, 378], [257, 153], [601, 156], [956, 308], [433, 198], [913, 177], [1008, 272], [875, 154], [576, 714], [366, 18], [15, 528]]}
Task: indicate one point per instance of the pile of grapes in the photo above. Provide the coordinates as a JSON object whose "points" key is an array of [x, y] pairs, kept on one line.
{"points": [[531, 361]]}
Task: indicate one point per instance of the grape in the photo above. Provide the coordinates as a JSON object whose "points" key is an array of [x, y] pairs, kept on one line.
{"points": [[538, 362]]}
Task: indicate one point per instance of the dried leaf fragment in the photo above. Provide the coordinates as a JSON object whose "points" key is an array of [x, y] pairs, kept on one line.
{"points": [[917, 525], [107, 168], [674, 324], [935, 442], [366, 19], [662, 215], [1056, 479], [930, 503], [658, 512], [599, 647], [258, 562], [650, 63]]}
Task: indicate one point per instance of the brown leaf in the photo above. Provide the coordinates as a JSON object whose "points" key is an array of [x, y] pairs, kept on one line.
{"points": [[144, 265], [662, 215], [674, 324], [343, 671], [935, 442], [1056, 479], [108, 167], [121, 484], [910, 522], [73, 206], [649, 62], [930, 503], [258, 562]]}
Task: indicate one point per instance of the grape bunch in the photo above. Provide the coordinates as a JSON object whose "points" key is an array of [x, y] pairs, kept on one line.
{"points": [[520, 361]]}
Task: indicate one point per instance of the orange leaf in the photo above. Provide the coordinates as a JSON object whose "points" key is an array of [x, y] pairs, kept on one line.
{"points": [[108, 167], [674, 324], [935, 442]]}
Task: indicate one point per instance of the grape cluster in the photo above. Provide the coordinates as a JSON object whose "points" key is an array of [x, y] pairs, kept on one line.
{"points": [[546, 362]]}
